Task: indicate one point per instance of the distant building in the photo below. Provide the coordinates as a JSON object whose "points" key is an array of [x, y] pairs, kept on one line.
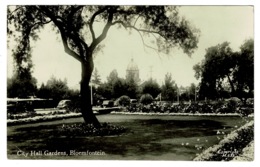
{"points": [[132, 71]]}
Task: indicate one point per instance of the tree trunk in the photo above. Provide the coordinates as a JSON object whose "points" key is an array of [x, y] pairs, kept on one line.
{"points": [[86, 106]]}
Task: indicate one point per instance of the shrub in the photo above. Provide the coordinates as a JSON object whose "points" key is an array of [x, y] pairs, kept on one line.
{"points": [[250, 102], [146, 99], [124, 100], [232, 105], [245, 111], [192, 108]]}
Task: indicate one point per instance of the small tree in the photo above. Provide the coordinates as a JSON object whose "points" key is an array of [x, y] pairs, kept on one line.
{"points": [[151, 87], [96, 77], [169, 89], [132, 88], [119, 88], [55, 89], [21, 85]]}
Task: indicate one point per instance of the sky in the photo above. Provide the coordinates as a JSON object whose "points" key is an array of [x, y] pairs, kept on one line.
{"points": [[217, 24]]}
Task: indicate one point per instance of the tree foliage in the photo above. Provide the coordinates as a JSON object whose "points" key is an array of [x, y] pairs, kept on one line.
{"points": [[169, 88], [218, 64], [116, 87], [131, 88], [188, 93], [21, 85], [244, 73], [96, 77], [223, 67], [151, 87], [55, 89]]}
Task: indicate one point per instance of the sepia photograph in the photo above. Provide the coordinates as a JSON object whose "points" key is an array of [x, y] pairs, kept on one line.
{"points": [[130, 82]]}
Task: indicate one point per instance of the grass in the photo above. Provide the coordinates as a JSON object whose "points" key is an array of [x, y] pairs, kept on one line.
{"points": [[147, 137]]}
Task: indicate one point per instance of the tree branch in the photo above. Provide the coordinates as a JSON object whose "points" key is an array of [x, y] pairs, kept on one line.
{"points": [[92, 21], [40, 22], [137, 29], [139, 32], [136, 19], [68, 50], [102, 36], [60, 26], [11, 13]]}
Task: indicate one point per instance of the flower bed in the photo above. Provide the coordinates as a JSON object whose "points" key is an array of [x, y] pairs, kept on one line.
{"points": [[41, 118], [231, 146], [177, 114], [218, 107], [22, 119], [81, 129]]}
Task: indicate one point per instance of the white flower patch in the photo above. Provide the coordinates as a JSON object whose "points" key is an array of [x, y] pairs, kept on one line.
{"points": [[42, 118], [175, 114]]}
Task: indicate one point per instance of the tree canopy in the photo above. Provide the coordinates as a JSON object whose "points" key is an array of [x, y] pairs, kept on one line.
{"points": [[223, 67], [96, 77], [151, 87], [21, 85], [169, 88], [56, 89]]}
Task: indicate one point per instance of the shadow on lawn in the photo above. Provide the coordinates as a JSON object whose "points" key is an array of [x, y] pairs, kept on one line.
{"points": [[142, 137]]}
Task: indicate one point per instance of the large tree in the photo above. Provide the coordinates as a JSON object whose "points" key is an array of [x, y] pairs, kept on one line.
{"points": [[223, 67], [217, 67], [244, 72], [75, 25]]}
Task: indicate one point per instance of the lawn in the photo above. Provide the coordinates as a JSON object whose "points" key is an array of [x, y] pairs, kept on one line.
{"points": [[147, 138]]}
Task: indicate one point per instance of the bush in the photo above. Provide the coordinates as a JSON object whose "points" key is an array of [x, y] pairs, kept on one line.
{"points": [[124, 100], [245, 111], [250, 102], [232, 105], [192, 108], [146, 99]]}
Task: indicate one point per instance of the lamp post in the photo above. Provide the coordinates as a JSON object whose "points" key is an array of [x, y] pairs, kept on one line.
{"points": [[195, 94], [178, 95], [91, 93]]}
